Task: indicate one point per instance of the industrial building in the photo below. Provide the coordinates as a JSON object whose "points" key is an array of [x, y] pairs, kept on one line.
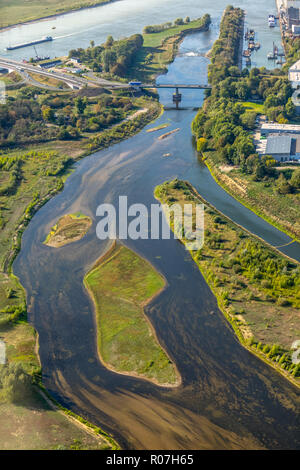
{"points": [[294, 74], [275, 128], [282, 148]]}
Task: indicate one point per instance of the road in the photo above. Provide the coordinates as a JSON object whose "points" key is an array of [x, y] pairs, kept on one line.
{"points": [[72, 81]]}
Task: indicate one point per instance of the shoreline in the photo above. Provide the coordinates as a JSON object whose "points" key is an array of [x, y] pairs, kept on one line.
{"points": [[55, 15], [236, 328], [103, 258], [253, 209]]}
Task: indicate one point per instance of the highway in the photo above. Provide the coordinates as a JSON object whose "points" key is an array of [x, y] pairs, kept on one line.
{"points": [[72, 81]]}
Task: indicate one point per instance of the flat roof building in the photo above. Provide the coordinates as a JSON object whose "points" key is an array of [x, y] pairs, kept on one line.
{"points": [[294, 74], [275, 128], [282, 148]]}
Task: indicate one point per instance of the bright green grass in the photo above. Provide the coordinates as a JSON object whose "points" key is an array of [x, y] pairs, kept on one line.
{"points": [[155, 39], [259, 108], [20, 11], [120, 286]]}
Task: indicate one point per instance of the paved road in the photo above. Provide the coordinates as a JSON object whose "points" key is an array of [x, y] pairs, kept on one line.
{"points": [[72, 81]]}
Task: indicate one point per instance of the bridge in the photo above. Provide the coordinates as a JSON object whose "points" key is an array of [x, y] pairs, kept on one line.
{"points": [[24, 69], [177, 97]]}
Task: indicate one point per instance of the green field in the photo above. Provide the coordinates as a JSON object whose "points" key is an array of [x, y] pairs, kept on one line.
{"points": [[121, 284], [20, 11], [156, 39], [257, 288], [257, 107]]}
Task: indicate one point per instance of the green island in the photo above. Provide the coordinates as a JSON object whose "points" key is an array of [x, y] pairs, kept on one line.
{"points": [[121, 284], [226, 128], [18, 11], [256, 287], [69, 228]]}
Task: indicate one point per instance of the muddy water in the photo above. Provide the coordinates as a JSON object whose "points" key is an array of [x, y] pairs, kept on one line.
{"points": [[228, 399]]}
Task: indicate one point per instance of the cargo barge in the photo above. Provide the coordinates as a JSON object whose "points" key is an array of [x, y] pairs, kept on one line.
{"points": [[32, 43]]}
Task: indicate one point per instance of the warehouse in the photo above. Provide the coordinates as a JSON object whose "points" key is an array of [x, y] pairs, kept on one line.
{"points": [[275, 128], [283, 148]]}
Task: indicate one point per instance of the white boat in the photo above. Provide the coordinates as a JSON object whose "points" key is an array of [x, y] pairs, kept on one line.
{"points": [[272, 21]]}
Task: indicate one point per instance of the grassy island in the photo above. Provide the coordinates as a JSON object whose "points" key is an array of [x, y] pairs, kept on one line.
{"points": [[121, 283], [70, 228], [257, 288]]}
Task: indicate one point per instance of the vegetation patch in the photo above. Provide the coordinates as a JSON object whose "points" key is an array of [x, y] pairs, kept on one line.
{"points": [[257, 288], [121, 284], [69, 229], [18, 11]]}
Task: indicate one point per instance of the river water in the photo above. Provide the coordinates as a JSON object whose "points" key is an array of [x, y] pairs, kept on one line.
{"points": [[228, 399]]}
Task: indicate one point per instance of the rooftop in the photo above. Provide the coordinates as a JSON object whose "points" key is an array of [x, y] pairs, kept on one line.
{"points": [[281, 127], [279, 145]]}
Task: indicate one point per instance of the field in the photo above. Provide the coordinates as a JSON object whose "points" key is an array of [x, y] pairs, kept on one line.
{"points": [[257, 107], [20, 11], [44, 80], [257, 289], [36, 424], [69, 228], [121, 284]]}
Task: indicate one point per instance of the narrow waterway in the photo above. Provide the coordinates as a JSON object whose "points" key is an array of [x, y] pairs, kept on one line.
{"points": [[228, 399]]}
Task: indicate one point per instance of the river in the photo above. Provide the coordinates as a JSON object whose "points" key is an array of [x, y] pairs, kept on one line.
{"points": [[228, 399]]}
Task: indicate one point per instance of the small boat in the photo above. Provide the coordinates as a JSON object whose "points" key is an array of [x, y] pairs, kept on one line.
{"points": [[257, 46], [272, 21], [248, 61], [246, 53], [166, 155]]}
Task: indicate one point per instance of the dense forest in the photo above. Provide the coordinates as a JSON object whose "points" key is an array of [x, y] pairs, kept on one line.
{"points": [[114, 57]]}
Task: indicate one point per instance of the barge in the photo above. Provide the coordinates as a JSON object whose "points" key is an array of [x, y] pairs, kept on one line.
{"points": [[32, 43]]}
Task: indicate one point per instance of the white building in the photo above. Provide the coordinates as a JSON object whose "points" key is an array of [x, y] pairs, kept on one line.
{"points": [[294, 74]]}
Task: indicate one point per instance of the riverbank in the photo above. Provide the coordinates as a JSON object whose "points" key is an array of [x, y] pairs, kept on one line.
{"points": [[42, 8], [121, 284], [160, 49], [225, 125], [261, 206], [262, 307]]}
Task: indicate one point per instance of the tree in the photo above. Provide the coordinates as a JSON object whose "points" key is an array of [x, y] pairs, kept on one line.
{"points": [[178, 21], [15, 383], [295, 179], [290, 109], [283, 186], [187, 19], [109, 41], [92, 43], [201, 145], [48, 114], [80, 104]]}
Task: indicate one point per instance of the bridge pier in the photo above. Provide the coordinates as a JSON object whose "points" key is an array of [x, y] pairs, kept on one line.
{"points": [[177, 98]]}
